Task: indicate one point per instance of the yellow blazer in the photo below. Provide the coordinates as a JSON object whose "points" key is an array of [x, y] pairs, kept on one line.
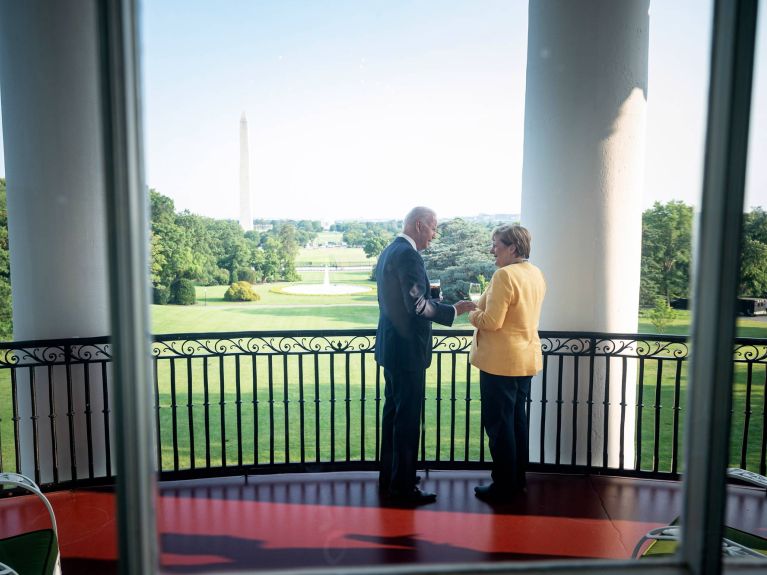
{"points": [[506, 338]]}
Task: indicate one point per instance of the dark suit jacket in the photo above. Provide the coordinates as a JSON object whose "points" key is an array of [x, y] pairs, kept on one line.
{"points": [[403, 339]]}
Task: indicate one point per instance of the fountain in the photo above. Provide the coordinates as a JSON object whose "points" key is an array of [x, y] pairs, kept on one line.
{"points": [[325, 288]]}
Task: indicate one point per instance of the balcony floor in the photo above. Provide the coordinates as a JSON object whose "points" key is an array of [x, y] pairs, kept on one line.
{"points": [[337, 519]]}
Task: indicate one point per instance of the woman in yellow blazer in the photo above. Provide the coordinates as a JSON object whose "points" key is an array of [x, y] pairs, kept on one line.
{"points": [[507, 350]]}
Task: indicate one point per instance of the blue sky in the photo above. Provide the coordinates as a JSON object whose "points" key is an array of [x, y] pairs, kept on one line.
{"points": [[363, 108]]}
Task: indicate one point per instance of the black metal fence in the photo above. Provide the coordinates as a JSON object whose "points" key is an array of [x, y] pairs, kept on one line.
{"points": [[305, 401]]}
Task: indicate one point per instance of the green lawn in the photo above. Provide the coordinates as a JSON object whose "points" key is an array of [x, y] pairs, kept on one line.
{"points": [[262, 409], [746, 327], [276, 311], [272, 416], [746, 402], [361, 312], [332, 256], [329, 237], [348, 312]]}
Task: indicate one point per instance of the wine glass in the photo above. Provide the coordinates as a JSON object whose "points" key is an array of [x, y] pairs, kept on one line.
{"points": [[475, 291]]}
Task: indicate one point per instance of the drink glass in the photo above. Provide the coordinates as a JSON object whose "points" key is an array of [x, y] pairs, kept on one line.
{"points": [[475, 292], [435, 289]]}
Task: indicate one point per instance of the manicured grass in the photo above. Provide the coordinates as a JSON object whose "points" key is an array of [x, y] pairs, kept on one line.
{"points": [[276, 311], [332, 256], [658, 394], [305, 395], [7, 451], [329, 237], [262, 411], [748, 401], [745, 327]]}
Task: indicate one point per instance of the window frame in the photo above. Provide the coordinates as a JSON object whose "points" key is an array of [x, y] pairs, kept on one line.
{"points": [[732, 60]]}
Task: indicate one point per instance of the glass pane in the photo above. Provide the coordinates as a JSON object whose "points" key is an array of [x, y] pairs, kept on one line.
{"points": [[676, 129], [746, 516], [353, 114], [338, 108]]}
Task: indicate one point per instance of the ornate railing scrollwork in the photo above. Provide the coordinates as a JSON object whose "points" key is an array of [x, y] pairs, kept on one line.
{"points": [[750, 353], [247, 401], [605, 345], [262, 344], [450, 343]]}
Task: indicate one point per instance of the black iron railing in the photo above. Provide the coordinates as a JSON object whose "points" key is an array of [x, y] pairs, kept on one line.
{"points": [[304, 401]]}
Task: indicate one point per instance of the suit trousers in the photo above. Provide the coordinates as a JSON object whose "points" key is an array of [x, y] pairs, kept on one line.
{"points": [[505, 421], [401, 428]]}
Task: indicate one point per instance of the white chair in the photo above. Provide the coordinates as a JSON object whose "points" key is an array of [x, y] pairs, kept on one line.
{"points": [[34, 552], [747, 476]]}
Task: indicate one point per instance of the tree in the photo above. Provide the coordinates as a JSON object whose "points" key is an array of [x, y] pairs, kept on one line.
{"points": [[182, 292], [753, 254], [268, 258], [170, 242], [666, 252], [306, 231], [6, 311], [662, 315], [288, 250], [755, 225], [354, 236], [230, 248], [459, 256], [198, 248], [198, 231], [375, 242]]}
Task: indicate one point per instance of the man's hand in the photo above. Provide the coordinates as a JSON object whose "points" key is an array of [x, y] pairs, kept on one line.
{"points": [[463, 306]]}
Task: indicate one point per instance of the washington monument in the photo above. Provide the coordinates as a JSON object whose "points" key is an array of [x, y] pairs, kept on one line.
{"points": [[246, 218]]}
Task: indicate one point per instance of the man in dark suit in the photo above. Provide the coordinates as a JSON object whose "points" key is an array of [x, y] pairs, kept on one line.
{"points": [[403, 349]]}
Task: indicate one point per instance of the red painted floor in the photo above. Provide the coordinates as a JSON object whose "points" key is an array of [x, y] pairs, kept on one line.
{"points": [[325, 520]]}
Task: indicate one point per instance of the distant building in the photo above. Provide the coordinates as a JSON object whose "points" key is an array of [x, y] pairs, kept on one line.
{"points": [[492, 218]]}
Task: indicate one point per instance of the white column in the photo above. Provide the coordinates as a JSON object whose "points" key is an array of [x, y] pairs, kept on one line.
{"points": [[582, 184], [55, 181]]}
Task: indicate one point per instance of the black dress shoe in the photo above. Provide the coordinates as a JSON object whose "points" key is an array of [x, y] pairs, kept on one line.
{"points": [[383, 488], [413, 497], [493, 494]]}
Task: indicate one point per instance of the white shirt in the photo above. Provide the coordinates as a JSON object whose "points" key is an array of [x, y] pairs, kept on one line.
{"points": [[410, 240]]}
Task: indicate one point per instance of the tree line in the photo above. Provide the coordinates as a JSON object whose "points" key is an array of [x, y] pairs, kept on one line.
{"points": [[206, 251], [372, 237], [667, 237]]}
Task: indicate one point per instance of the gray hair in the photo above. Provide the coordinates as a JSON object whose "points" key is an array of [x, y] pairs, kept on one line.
{"points": [[418, 213]]}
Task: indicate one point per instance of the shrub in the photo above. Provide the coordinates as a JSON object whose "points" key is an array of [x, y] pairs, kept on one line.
{"points": [[160, 295], [662, 315], [241, 291], [182, 292], [247, 275], [221, 277]]}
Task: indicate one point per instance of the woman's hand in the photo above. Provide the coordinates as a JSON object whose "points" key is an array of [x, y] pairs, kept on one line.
{"points": [[463, 306]]}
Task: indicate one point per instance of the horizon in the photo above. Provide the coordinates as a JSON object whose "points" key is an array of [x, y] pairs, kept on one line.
{"points": [[417, 104]]}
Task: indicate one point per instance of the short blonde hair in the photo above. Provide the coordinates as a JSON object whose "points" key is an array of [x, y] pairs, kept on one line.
{"points": [[514, 235]]}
